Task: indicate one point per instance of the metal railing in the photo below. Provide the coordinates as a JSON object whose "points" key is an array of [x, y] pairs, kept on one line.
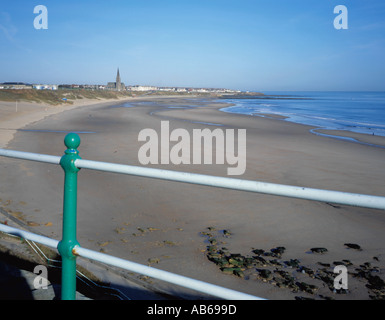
{"points": [[69, 248]]}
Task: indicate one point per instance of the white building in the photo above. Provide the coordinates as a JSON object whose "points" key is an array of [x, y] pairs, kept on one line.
{"points": [[142, 88], [45, 86], [15, 85]]}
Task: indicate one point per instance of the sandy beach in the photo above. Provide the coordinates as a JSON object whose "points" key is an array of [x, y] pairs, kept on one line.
{"points": [[18, 114], [167, 224]]}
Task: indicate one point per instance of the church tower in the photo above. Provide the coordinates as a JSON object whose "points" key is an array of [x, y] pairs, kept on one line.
{"points": [[118, 82], [116, 86]]}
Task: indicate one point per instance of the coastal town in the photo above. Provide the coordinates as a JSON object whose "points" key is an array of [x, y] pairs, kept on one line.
{"points": [[118, 85], [140, 88]]}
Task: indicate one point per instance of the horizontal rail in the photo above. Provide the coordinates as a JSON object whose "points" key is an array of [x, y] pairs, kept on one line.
{"points": [[183, 281], [338, 197], [30, 156], [352, 199], [29, 236]]}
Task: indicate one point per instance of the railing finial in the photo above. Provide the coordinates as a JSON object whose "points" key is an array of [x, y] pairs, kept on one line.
{"points": [[72, 141]]}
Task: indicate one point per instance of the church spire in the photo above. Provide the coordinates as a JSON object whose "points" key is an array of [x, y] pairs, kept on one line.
{"points": [[118, 81], [118, 77]]}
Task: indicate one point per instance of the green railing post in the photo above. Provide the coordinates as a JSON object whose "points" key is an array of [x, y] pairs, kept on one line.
{"points": [[68, 242]]}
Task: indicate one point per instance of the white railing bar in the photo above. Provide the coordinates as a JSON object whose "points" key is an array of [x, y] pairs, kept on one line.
{"points": [[135, 267], [30, 156], [183, 281], [352, 199], [29, 236], [345, 198]]}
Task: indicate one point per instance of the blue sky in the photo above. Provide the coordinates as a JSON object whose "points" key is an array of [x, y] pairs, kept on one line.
{"points": [[246, 45]]}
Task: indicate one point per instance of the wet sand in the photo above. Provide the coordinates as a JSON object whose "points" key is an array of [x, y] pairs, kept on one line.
{"points": [[160, 223], [358, 137]]}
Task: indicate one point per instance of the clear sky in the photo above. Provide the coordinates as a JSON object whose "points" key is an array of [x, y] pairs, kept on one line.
{"points": [[258, 45]]}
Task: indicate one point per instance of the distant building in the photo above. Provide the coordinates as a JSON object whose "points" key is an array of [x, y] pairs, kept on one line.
{"points": [[15, 85], [180, 89], [142, 88], [45, 86], [116, 86], [69, 86], [82, 86]]}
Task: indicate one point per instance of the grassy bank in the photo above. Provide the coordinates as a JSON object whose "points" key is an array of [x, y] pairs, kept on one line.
{"points": [[56, 97]]}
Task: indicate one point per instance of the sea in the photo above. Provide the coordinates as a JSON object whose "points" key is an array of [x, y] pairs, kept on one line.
{"points": [[362, 112]]}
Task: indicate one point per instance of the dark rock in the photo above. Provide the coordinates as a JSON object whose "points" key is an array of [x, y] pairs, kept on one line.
{"points": [[353, 246], [226, 233], [260, 261], [278, 251], [324, 264], [258, 251], [264, 273], [319, 250], [309, 288], [306, 270], [293, 263]]}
